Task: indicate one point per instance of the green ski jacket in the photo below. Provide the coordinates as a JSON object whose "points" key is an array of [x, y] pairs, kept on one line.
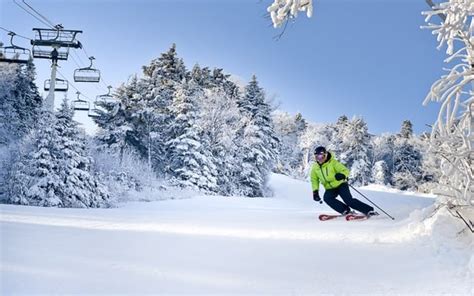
{"points": [[325, 173]]}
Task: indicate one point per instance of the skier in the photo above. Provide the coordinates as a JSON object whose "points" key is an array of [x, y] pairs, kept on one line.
{"points": [[333, 176]]}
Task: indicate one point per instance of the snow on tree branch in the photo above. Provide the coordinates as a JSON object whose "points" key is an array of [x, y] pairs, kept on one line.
{"points": [[455, 26], [452, 136], [282, 10]]}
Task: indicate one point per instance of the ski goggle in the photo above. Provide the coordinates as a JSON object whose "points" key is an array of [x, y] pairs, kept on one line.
{"points": [[320, 156]]}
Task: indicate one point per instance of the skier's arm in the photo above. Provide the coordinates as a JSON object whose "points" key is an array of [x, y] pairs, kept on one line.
{"points": [[340, 168], [314, 179]]}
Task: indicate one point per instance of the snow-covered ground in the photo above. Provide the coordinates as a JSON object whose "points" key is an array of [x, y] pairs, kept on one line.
{"points": [[222, 245]]}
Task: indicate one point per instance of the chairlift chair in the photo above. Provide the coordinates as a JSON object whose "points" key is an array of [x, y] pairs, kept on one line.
{"points": [[87, 74], [14, 54], [107, 98], [60, 85], [79, 104], [60, 39], [94, 111], [40, 52]]}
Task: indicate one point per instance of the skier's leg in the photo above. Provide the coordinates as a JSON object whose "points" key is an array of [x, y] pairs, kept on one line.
{"points": [[330, 198], [354, 203]]}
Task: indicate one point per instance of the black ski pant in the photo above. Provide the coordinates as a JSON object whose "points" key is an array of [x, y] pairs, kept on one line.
{"points": [[349, 202]]}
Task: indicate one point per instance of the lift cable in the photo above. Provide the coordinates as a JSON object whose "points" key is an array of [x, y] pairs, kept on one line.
{"points": [[15, 34], [42, 21], [42, 16], [73, 86]]}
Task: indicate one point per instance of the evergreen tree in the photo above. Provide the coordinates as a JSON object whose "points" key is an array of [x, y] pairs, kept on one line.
{"points": [[356, 149], [53, 168], [289, 130], [380, 173], [191, 162], [81, 187], [407, 161], [116, 130], [36, 179], [260, 144], [407, 129], [20, 102], [167, 68]]}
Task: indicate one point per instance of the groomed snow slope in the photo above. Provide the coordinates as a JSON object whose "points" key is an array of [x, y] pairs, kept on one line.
{"points": [[222, 246]]}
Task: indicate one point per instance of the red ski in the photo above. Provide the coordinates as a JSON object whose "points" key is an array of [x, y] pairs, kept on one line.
{"points": [[325, 217], [354, 217]]}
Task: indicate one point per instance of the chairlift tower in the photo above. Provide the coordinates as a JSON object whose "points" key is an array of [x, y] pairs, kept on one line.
{"points": [[54, 44]]}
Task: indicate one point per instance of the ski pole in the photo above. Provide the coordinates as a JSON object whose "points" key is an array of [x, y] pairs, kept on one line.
{"points": [[370, 201]]}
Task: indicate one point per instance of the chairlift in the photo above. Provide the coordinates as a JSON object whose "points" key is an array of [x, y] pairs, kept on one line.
{"points": [[59, 39], [87, 74], [40, 52], [60, 85], [79, 104], [14, 54], [107, 98], [94, 112]]}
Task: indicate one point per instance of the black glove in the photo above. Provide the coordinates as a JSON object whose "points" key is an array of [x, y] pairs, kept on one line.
{"points": [[316, 196], [339, 176]]}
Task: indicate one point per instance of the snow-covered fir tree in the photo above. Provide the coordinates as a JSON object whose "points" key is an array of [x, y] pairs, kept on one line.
{"points": [[117, 132], [190, 159], [430, 165], [407, 160], [384, 146], [355, 147], [167, 68], [219, 119], [53, 167], [260, 144], [289, 130], [36, 179], [380, 173], [20, 102], [81, 187], [20, 106], [406, 131], [314, 135]]}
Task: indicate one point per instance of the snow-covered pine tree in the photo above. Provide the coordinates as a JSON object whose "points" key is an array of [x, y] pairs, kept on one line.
{"points": [[190, 159], [167, 68], [407, 160], [452, 135], [356, 150], [35, 179], [336, 136], [53, 168], [289, 130], [20, 102], [219, 119], [118, 130], [260, 144], [9, 119], [380, 173], [20, 106], [81, 187], [406, 131], [161, 80], [431, 173], [313, 136], [384, 146]]}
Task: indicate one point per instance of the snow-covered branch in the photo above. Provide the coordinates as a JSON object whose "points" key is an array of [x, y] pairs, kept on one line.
{"points": [[452, 136], [283, 10]]}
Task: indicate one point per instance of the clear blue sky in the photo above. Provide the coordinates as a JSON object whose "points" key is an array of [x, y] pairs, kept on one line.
{"points": [[356, 57]]}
